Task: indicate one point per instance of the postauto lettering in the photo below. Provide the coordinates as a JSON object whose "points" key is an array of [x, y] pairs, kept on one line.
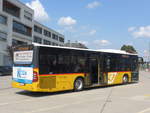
{"points": [[21, 73]]}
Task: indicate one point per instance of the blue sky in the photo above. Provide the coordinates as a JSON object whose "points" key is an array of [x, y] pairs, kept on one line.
{"points": [[98, 23]]}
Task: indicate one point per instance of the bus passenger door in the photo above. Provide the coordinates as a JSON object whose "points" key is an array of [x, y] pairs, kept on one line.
{"points": [[97, 72], [102, 77], [93, 64]]}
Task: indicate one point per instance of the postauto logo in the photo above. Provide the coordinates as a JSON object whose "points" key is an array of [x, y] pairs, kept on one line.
{"points": [[21, 73]]}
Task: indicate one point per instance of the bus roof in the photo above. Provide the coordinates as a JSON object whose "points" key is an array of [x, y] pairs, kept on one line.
{"points": [[100, 50]]}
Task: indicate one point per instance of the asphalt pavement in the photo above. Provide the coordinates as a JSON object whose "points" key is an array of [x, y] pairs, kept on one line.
{"points": [[130, 98]]}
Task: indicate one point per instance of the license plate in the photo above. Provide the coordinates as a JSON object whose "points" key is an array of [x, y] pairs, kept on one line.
{"points": [[22, 84]]}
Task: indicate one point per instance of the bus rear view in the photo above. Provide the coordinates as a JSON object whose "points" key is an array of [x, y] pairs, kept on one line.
{"points": [[45, 68], [24, 69]]}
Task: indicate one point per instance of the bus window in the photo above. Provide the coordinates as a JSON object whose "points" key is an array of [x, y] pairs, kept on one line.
{"points": [[73, 63], [63, 65], [81, 64], [108, 64], [134, 64], [47, 64]]}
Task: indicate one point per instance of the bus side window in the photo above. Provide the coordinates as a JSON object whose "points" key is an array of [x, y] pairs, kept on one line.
{"points": [[63, 64], [53, 66], [108, 64], [81, 64], [134, 65], [47, 64], [43, 64], [66, 64], [73, 63]]}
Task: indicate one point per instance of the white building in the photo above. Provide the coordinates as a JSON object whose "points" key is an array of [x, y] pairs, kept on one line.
{"points": [[44, 35], [17, 26]]}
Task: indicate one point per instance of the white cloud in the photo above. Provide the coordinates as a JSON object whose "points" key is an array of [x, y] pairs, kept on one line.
{"points": [[93, 5], [101, 42], [130, 29], [39, 11], [66, 21], [146, 52], [140, 32], [92, 32]]}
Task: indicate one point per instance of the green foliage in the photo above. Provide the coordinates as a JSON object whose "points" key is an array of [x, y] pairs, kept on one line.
{"points": [[9, 50], [128, 48]]}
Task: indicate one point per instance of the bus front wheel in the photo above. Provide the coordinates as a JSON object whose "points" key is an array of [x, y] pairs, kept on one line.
{"points": [[78, 84]]}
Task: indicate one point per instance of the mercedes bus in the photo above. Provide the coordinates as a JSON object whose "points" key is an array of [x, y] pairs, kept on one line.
{"points": [[45, 68]]}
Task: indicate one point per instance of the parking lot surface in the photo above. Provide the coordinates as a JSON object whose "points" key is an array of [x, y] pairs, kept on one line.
{"points": [[130, 98]]}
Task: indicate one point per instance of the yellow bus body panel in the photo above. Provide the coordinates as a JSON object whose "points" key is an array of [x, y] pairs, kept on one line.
{"points": [[50, 83], [117, 77], [62, 82]]}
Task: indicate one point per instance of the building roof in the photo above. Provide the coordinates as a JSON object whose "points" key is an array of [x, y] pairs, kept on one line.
{"points": [[100, 50], [22, 4]]}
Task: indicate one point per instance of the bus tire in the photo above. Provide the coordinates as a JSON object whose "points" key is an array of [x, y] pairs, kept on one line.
{"points": [[78, 84], [125, 79]]}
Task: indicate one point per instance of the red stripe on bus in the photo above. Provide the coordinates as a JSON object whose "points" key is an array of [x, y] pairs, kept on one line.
{"points": [[83, 73], [119, 71], [62, 74]]}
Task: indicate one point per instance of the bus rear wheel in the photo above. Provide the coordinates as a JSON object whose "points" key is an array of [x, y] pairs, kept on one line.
{"points": [[125, 79], [78, 84]]}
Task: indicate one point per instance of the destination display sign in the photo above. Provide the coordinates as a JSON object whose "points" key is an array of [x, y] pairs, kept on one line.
{"points": [[23, 57]]}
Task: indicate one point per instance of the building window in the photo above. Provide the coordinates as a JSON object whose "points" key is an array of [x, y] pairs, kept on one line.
{"points": [[37, 39], [56, 37], [11, 8], [22, 29], [61, 39], [53, 36], [47, 33], [3, 19], [17, 42], [46, 42], [3, 36], [53, 44], [38, 29], [28, 15]]}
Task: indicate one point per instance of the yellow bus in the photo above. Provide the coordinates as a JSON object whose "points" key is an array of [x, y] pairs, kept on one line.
{"points": [[45, 68]]}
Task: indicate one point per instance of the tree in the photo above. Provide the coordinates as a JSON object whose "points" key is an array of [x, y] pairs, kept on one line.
{"points": [[9, 50], [128, 48]]}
